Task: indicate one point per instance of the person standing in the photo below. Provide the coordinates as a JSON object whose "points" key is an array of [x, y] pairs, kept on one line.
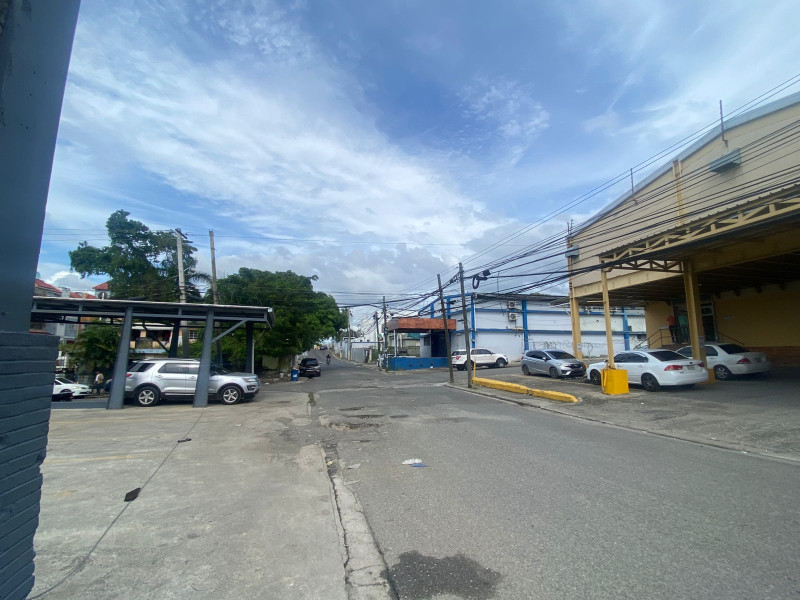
{"points": [[98, 382], [683, 319], [671, 325]]}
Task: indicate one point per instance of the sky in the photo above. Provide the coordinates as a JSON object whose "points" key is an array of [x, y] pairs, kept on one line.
{"points": [[375, 144]]}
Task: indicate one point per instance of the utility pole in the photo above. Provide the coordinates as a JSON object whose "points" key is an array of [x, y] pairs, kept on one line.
{"points": [[466, 324], [349, 338], [385, 334], [378, 338], [446, 330], [182, 290], [214, 291]]}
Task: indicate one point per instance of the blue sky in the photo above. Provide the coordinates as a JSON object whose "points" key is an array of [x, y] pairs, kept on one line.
{"points": [[434, 128]]}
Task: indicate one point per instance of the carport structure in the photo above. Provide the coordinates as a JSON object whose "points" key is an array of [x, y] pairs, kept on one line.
{"points": [[708, 243], [126, 312], [433, 345]]}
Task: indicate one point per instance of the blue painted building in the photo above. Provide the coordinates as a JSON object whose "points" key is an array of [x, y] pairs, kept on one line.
{"points": [[512, 324]]}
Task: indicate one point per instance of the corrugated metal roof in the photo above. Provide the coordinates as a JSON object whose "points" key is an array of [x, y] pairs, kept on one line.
{"points": [[746, 117]]}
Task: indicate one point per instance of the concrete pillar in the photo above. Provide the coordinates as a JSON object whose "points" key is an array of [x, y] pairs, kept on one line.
{"points": [[691, 286], [249, 348], [201, 391], [575, 318], [117, 397]]}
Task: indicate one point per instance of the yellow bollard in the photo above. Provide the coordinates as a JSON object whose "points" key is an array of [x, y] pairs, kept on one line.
{"points": [[614, 381]]}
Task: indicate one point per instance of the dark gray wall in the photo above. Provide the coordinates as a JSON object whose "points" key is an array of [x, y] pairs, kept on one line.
{"points": [[35, 44]]}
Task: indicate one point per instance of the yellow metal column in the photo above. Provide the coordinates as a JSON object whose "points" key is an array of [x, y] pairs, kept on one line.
{"points": [[614, 381], [607, 315], [692, 290], [575, 317]]}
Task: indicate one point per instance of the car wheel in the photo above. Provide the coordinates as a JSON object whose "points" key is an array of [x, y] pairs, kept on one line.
{"points": [[148, 395], [460, 367], [722, 372], [594, 377], [650, 383], [500, 364], [230, 394], [525, 370], [553, 372]]}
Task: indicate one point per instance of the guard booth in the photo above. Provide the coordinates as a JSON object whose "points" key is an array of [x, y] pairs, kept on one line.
{"points": [[432, 346]]}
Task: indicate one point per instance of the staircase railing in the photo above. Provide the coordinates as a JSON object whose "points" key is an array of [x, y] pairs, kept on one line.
{"points": [[656, 336]]}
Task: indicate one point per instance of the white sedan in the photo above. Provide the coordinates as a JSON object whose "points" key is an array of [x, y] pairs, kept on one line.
{"points": [[654, 368], [78, 390], [732, 359], [480, 356]]}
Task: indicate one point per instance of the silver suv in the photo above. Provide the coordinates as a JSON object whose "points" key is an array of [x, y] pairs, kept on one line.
{"points": [[148, 381]]}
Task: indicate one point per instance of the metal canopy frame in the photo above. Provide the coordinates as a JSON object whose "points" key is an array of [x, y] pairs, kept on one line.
{"points": [[60, 309], [664, 251]]}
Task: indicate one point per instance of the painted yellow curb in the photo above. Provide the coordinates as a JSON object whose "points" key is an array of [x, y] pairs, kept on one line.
{"points": [[523, 389]]}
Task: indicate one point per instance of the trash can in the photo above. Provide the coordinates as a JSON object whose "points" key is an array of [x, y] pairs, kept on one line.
{"points": [[295, 374]]}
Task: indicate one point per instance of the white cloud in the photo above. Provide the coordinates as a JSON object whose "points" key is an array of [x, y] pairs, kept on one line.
{"points": [[274, 147]]}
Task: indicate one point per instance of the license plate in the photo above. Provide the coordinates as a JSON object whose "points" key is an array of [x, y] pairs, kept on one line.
{"points": [[690, 367]]}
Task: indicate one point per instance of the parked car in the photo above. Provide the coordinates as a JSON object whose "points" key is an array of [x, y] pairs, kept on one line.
{"points": [[79, 390], [148, 381], [481, 356], [310, 367], [731, 359], [556, 363], [323, 347], [61, 392], [654, 368]]}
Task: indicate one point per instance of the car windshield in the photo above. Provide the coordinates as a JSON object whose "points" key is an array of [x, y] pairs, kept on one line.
{"points": [[559, 354], [310, 362], [217, 370], [666, 355], [733, 348]]}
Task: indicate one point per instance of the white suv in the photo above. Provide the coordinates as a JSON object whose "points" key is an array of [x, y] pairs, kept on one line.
{"points": [[481, 356], [148, 381]]}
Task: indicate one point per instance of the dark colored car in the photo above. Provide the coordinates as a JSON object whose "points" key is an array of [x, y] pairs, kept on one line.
{"points": [[309, 367]]}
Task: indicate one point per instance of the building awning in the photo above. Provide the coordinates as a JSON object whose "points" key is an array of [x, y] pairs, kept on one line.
{"points": [[418, 325]]}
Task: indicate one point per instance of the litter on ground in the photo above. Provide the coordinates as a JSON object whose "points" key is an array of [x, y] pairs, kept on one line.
{"points": [[412, 461]]}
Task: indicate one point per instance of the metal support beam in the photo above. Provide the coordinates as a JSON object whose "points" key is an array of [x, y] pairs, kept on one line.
{"points": [[173, 340], [227, 331], [117, 397], [691, 286], [607, 315], [201, 391], [250, 356], [147, 331], [525, 343]]}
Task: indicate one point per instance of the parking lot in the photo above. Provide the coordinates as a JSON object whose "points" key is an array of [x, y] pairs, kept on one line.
{"points": [[754, 414]]}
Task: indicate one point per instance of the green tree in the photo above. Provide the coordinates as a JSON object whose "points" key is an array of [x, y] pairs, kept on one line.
{"points": [[139, 262], [95, 348], [303, 317]]}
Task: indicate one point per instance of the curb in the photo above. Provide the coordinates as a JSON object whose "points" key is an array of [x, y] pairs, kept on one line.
{"points": [[525, 390]]}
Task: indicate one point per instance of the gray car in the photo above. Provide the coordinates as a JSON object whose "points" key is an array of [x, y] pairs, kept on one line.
{"points": [[555, 363], [148, 381]]}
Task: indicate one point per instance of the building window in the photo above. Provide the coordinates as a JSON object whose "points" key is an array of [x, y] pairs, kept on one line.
{"points": [[193, 335]]}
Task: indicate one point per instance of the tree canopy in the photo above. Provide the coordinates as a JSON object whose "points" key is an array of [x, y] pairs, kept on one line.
{"points": [[95, 348], [139, 262], [303, 317]]}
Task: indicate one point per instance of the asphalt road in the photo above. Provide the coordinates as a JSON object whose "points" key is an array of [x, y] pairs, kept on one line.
{"points": [[518, 503]]}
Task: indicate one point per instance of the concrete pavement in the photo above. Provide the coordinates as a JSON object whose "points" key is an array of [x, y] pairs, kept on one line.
{"points": [[236, 512]]}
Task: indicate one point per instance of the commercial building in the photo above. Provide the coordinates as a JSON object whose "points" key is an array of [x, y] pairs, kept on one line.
{"points": [[708, 244]]}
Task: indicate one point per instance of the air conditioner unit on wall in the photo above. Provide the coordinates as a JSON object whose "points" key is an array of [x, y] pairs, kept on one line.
{"points": [[512, 316], [512, 304]]}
